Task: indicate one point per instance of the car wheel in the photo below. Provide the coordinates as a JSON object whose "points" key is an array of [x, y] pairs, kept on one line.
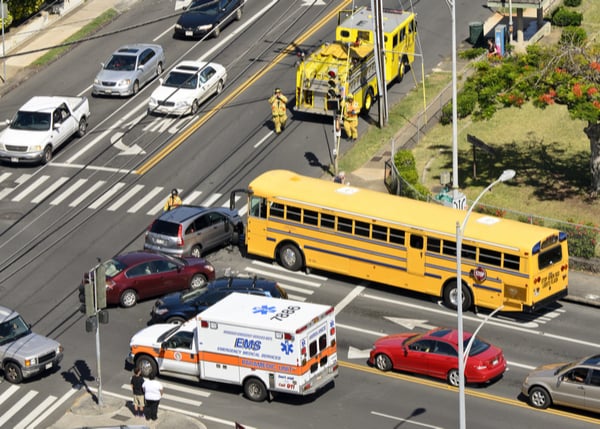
{"points": [[290, 257], [159, 69], [238, 14], [451, 297], [147, 365], [383, 362], [255, 390], [539, 397], [452, 377], [136, 87], [198, 281], [194, 107], [217, 30], [82, 129], [47, 155], [12, 373], [176, 320], [128, 298], [220, 87], [196, 252]]}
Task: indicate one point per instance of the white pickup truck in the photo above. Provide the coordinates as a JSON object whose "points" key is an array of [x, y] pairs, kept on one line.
{"points": [[41, 126]]}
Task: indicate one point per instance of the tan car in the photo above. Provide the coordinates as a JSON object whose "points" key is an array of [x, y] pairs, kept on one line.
{"points": [[574, 384]]}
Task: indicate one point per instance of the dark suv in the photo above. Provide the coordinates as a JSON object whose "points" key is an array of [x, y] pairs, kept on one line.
{"points": [[181, 306], [193, 230]]}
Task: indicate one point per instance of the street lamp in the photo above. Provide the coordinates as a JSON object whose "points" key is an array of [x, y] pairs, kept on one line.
{"points": [[460, 230]]}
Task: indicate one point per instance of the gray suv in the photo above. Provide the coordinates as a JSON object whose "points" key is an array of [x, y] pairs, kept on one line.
{"points": [[574, 384], [193, 230]]}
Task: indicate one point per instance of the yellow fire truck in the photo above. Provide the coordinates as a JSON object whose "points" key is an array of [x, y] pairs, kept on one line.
{"points": [[347, 65]]}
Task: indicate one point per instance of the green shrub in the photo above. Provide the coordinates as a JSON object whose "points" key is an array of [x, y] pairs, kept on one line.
{"points": [[572, 3], [23, 9], [471, 54], [573, 36], [465, 105], [564, 17], [582, 240], [404, 160]]}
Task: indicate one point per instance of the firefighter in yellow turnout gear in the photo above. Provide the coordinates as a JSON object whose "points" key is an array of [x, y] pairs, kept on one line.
{"points": [[351, 111], [278, 103]]}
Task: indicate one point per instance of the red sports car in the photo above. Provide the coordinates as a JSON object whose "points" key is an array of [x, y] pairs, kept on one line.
{"points": [[435, 353], [139, 275]]}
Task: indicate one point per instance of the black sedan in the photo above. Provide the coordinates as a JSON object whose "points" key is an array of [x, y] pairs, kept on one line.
{"points": [[208, 16], [180, 306]]}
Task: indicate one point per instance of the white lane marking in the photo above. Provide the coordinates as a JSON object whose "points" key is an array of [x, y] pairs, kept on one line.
{"points": [[173, 386], [145, 199], [86, 193], [137, 188], [31, 188], [104, 197], [49, 189], [19, 405], [173, 398], [288, 288], [53, 408], [68, 192], [4, 176], [280, 268], [355, 353], [8, 393], [192, 197], [348, 299], [364, 331], [210, 200], [35, 412], [407, 421], [92, 167], [261, 141], [287, 278]]}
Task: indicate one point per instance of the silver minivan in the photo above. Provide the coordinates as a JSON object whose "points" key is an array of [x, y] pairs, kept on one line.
{"points": [[193, 230], [574, 384]]}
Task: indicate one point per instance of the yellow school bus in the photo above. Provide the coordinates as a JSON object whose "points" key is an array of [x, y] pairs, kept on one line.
{"points": [[347, 65], [308, 223]]}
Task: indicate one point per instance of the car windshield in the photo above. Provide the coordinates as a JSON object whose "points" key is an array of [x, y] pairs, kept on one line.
{"points": [[477, 347], [13, 329], [181, 80], [31, 121], [113, 267], [193, 294], [121, 63], [210, 8]]}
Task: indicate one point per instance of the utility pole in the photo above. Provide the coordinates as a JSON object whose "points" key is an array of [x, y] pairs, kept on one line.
{"points": [[379, 48], [4, 12]]}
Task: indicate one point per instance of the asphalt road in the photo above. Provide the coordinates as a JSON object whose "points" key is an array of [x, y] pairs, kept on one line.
{"points": [[44, 253]]}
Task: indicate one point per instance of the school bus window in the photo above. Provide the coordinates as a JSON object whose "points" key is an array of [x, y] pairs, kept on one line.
{"points": [[311, 217], [434, 244], [327, 221], [361, 228], [380, 232], [490, 257], [550, 257], [344, 225], [511, 262], [258, 207], [469, 252], [402, 34], [293, 213], [449, 248], [416, 241], [345, 33], [396, 236], [276, 210]]}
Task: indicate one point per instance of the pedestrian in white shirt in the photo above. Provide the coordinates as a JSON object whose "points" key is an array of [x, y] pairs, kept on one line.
{"points": [[153, 391]]}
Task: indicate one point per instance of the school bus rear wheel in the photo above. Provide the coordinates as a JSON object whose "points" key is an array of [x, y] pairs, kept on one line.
{"points": [[290, 257], [451, 296]]}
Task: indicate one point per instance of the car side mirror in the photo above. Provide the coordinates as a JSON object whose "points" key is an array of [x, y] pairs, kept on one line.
{"points": [[141, 68], [160, 80]]}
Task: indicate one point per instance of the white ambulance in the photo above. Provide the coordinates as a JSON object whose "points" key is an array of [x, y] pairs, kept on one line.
{"points": [[263, 344]]}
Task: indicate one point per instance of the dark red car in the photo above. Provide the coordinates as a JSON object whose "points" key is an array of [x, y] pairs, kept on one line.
{"points": [[134, 276], [435, 354]]}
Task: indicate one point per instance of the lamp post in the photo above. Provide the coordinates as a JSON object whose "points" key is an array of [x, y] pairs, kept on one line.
{"points": [[460, 230]]}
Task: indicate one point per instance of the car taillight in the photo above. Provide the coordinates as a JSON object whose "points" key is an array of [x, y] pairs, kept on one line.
{"points": [[180, 236]]}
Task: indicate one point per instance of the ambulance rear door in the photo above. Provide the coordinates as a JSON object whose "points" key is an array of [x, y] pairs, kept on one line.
{"points": [[317, 344]]}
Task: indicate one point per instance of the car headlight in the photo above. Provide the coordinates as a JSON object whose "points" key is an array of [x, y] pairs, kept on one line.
{"points": [[31, 362], [124, 82], [206, 27], [183, 103], [153, 101], [96, 81], [35, 148], [2, 147], [178, 26], [160, 311]]}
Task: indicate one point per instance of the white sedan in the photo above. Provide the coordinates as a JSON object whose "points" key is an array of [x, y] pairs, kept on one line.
{"points": [[187, 86]]}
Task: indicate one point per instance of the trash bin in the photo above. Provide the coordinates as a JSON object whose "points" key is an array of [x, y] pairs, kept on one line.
{"points": [[476, 33]]}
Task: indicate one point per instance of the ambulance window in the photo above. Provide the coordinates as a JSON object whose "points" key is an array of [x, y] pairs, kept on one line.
{"points": [[323, 342], [312, 349]]}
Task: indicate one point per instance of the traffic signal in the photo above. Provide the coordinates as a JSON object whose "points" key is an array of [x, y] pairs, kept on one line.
{"points": [[88, 297], [100, 279]]}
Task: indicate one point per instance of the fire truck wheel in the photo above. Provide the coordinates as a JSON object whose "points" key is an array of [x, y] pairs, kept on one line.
{"points": [[147, 365], [368, 102], [255, 390]]}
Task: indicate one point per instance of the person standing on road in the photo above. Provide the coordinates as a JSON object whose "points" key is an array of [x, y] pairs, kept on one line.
{"points": [[278, 103], [351, 112], [137, 382], [173, 201], [153, 391]]}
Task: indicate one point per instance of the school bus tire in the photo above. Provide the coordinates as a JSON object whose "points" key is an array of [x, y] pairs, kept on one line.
{"points": [[255, 389], [368, 102], [450, 296], [290, 257], [147, 365]]}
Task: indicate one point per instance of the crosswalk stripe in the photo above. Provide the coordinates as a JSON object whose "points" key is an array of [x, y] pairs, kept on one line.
{"points": [[17, 407], [4, 176], [49, 189], [288, 287], [210, 200], [87, 193], [33, 414], [145, 199], [287, 277], [170, 397], [115, 188], [191, 390], [8, 393], [296, 297], [126, 197], [68, 192], [192, 197], [53, 408], [31, 188]]}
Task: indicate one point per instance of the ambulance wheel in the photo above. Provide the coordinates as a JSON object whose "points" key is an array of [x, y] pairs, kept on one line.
{"points": [[368, 102], [147, 365], [290, 257], [255, 390]]}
